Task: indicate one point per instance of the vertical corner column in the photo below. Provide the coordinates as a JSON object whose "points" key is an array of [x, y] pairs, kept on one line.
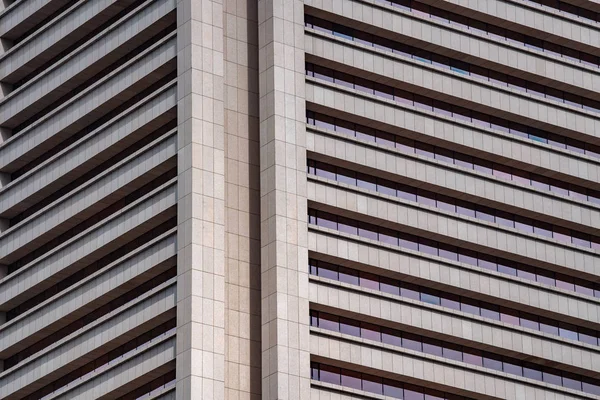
{"points": [[201, 205], [284, 254]]}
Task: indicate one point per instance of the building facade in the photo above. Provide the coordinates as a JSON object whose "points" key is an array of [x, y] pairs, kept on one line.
{"points": [[286, 199]]}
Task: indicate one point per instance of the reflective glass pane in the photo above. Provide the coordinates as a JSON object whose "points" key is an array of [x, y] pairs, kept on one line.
{"points": [[370, 332], [433, 348], [349, 327], [551, 378], [513, 369], [389, 336], [330, 374], [492, 363], [348, 276], [393, 389], [352, 380], [372, 384]]}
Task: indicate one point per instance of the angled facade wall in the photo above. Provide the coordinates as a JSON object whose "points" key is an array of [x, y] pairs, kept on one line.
{"points": [[353, 199]]}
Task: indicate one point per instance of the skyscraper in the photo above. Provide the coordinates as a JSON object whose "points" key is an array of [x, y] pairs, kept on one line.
{"points": [[319, 199]]}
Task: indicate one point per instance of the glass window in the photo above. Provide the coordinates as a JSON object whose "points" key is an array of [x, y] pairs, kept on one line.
{"points": [[388, 236], [424, 149], [433, 347], [506, 268], [446, 203], [450, 301], [430, 298], [588, 337], [344, 79], [372, 384], [448, 252], [546, 280], [405, 145], [326, 220], [584, 290], [330, 374], [366, 182], [409, 291], [444, 155], [532, 372], [366, 231], [363, 85], [322, 73], [370, 332], [408, 242], [369, 281], [403, 97], [473, 357], [346, 225], [484, 214], [490, 361], [565, 283], [352, 380], [484, 167], [329, 322], [548, 327], [428, 247], [540, 182], [543, 229], [345, 127], [413, 393], [385, 138], [433, 395], [551, 378], [470, 306], [366, 134], [314, 318], [392, 337], [349, 327], [425, 199], [412, 342], [591, 388], [490, 311], [384, 91], [407, 193], [487, 264], [582, 241], [452, 352], [346, 176], [314, 270], [529, 321], [513, 369], [328, 272], [505, 219], [468, 258], [393, 389], [509, 317], [523, 224], [390, 286], [314, 371], [571, 382], [464, 161], [525, 274], [348, 276], [465, 209], [568, 331]]}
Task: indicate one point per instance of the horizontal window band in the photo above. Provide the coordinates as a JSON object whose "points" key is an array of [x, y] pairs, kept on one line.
{"points": [[375, 384], [446, 203], [452, 351], [518, 176], [431, 247], [451, 64], [494, 32]]}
